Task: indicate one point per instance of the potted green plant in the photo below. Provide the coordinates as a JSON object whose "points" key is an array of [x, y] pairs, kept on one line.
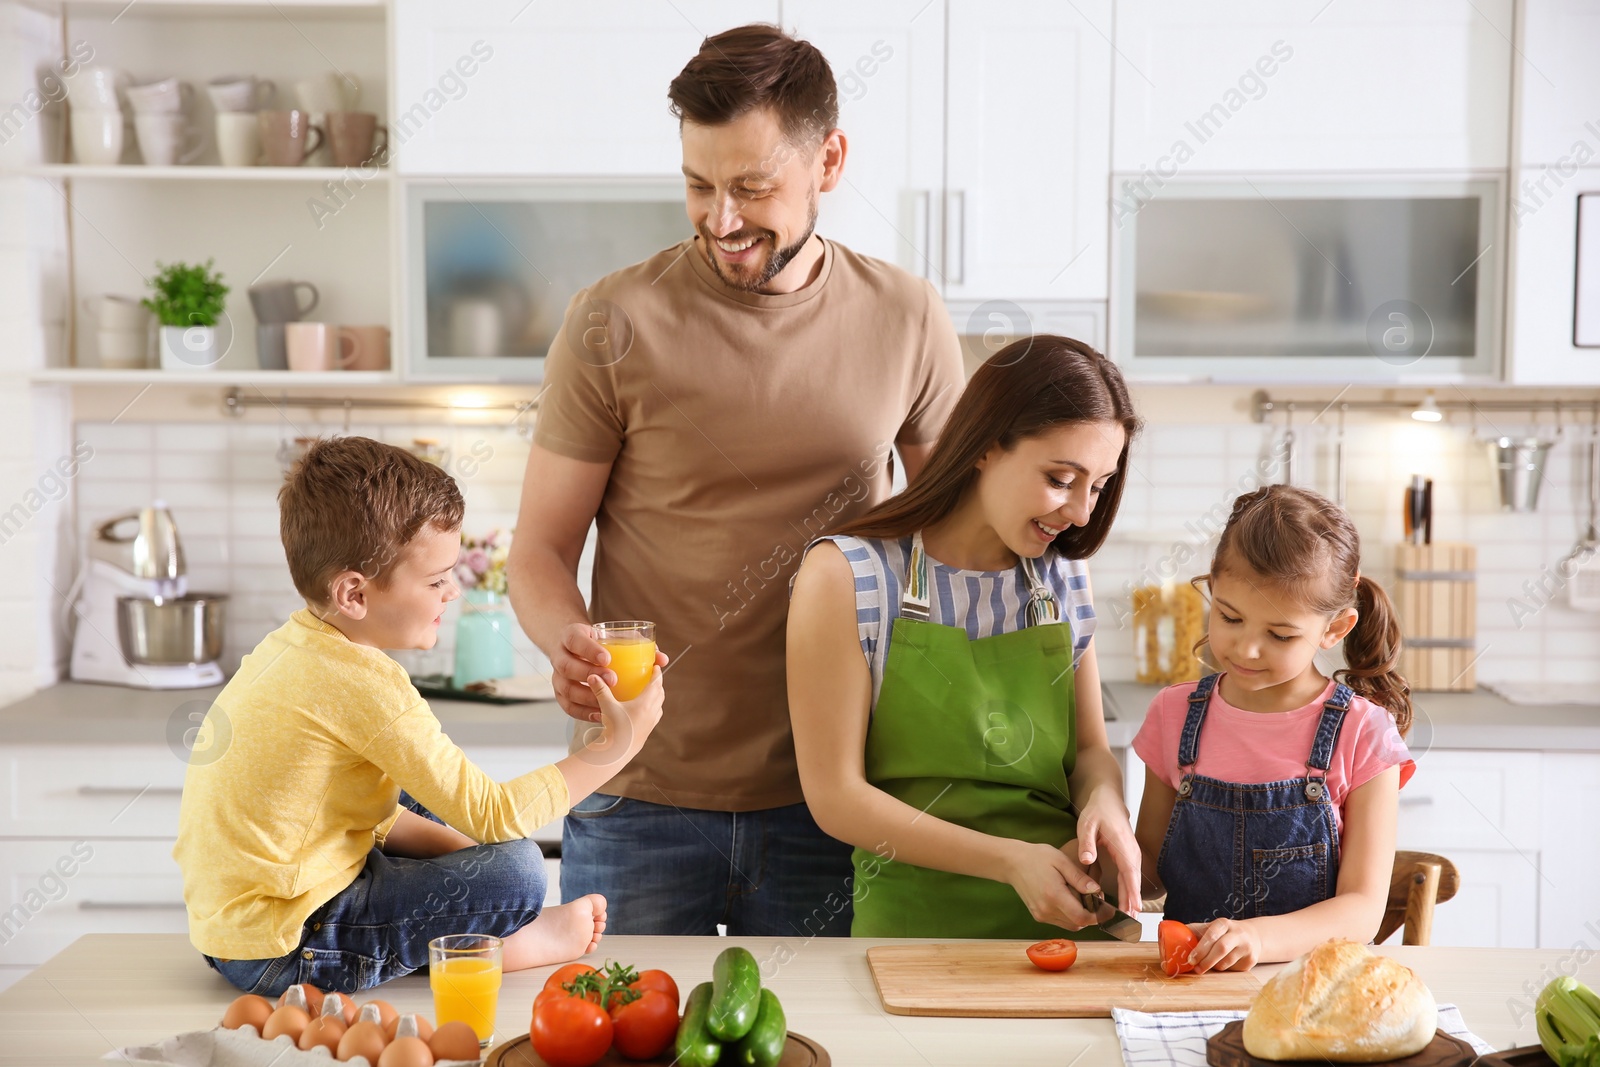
{"points": [[187, 301]]}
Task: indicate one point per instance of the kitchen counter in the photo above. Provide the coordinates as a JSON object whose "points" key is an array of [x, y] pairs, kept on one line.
{"points": [[82, 713], [85, 713], [108, 991]]}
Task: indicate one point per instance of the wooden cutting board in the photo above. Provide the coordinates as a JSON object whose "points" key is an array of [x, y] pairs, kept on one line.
{"points": [[993, 979]]}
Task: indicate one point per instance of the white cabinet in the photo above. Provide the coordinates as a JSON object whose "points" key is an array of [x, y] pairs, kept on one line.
{"points": [[1558, 83], [888, 63], [1497, 905], [1359, 85], [502, 87], [1025, 209], [1544, 225], [1569, 897]]}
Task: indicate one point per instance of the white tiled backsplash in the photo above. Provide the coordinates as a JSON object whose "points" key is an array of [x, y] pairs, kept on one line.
{"points": [[221, 481]]}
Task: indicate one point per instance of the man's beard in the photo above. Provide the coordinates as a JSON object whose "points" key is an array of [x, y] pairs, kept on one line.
{"points": [[778, 260]]}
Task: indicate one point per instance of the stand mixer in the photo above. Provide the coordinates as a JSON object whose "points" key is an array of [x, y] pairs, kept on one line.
{"points": [[138, 625]]}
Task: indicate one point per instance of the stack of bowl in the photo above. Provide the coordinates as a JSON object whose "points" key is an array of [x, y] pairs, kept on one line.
{"points": [[97, 121]]}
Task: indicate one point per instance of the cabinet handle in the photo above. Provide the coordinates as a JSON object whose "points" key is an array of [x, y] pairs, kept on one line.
{"points": [[1416, 802], [922, 230], [130, 905], [130, 790], [955, 237]]}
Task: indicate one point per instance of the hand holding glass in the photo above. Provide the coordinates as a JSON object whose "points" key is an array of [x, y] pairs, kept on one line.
{"points": [[632, 646]]}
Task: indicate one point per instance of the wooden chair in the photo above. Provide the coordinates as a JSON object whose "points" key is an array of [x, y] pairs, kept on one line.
{"points": [[1420, 880]]}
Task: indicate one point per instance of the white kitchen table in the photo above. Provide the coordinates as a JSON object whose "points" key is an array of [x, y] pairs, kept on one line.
{"points": [[107, 991]]}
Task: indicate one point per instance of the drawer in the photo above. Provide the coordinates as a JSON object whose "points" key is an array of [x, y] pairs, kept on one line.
{"points": [[1487, 801], [90, 791], [53, 892], [504, 763]]}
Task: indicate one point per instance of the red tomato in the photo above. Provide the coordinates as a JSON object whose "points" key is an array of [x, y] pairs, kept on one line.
{"points": [[659, 980], [570, 1031], [1056, 954], [1176, 942], [645, 1027], [563, 975]]}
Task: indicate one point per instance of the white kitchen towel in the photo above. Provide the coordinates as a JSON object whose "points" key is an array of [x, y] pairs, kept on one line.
{"points": [[1178, 1038]]}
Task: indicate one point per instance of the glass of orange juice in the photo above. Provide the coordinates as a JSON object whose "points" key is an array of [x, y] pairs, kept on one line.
{"points": [[464, 973], [633, 654]]}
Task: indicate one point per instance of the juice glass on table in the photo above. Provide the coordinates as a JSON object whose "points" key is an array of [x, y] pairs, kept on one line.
{"points": [[633, 654], [464, 973]]}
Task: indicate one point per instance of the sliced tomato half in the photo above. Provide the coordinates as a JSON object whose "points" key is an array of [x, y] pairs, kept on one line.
{"points": [[1176, 941], [1057, 954]]}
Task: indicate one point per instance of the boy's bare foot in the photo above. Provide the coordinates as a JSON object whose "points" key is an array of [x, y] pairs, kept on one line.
{"points": [[561, 933]]}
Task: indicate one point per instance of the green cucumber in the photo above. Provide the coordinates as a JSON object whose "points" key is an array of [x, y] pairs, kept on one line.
{"points": [[695, 1047], [763, 1045], [735, 994]]}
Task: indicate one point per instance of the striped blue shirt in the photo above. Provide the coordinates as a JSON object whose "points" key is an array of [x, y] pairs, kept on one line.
{"points": [[985, 603]]}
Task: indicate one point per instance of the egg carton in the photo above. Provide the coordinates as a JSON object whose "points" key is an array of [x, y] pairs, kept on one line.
{"points": [[243, 1047]]}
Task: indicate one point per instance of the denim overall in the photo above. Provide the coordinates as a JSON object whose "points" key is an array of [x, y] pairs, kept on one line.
{"points": [[1238, 850], [981, 733]]}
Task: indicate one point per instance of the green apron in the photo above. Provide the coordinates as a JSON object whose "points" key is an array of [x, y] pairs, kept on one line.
{"points": [[978, 733]]}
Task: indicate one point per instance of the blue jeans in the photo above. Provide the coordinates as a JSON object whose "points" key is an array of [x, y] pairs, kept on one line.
{"points": [[379, 926], [670, 870]]}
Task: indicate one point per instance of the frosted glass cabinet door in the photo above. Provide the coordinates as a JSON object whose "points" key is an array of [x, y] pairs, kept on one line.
{"points": [[888, 62], [1029, 150], [511, 87]]}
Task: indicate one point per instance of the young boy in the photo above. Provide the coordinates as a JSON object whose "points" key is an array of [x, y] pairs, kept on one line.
{"points": [[302, 859]]}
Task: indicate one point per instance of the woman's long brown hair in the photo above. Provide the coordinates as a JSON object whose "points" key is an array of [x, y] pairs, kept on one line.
{"points": [[1030, 386], [1304, 543]]}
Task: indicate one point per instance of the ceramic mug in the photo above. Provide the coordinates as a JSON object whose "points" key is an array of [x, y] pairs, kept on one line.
{"points": [[112, 312], [124, 349], [238, 138], [316, 346], [98, 89], [235, 93], [97, 136], [350, 137], [167, 139], [169, 96], [272, 351], [280, 301], [287, 137], [328, 91], [369, 347]]}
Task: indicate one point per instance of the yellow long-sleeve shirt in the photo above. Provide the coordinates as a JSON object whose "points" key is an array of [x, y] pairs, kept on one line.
{"points": [[296, 774]]}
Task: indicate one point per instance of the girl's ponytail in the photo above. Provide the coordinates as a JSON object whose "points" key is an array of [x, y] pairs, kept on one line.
{"points": [[1372, 650]]}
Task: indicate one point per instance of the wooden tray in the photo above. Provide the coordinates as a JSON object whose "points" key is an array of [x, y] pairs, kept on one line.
{"points": [[800, 1051], [993, 979], [1226, 1049], [1521, 1056]]}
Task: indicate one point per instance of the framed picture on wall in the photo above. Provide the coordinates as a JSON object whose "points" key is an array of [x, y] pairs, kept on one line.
{"points": [[1586, 301]]}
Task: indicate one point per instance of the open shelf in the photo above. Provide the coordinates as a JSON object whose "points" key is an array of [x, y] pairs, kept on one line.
{"points": [[264, 379], [141, 172]]}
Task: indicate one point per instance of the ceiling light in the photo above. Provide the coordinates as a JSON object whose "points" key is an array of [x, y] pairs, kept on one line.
{"points": [[1428, 410]]}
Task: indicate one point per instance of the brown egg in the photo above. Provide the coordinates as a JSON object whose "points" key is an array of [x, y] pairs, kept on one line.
{"points": [[343, 1004], [324, 1030], [386, 1012], [309, 997], [248, 1009], [363, 1039], [406, 1052], [410, 1024], [455, 1041], [286, 1020]]}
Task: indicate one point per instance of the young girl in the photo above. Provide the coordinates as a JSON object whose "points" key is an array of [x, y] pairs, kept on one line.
{"points": [[1269, 806]]}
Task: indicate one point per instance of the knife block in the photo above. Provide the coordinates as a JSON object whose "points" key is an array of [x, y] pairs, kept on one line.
{"points": [[1436, 599]]}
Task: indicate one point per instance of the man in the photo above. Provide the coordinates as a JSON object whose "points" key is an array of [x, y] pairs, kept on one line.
{"points": [[713, 409]]}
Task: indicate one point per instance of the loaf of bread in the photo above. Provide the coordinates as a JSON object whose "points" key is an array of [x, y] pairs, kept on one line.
{"points": [[1342, 1003]]}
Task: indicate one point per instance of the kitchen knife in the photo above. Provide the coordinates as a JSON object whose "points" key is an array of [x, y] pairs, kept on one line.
{"points": [[1118, 924]]}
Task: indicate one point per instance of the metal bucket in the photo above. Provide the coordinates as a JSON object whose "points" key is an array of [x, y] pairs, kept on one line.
{"points": [[1519, 470], [171, 631]]}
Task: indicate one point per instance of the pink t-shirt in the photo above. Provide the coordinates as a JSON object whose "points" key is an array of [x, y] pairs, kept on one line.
{"points": [[1251, 747]]}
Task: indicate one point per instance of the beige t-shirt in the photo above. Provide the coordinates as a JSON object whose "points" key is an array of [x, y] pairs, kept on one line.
{"points": [[740, 426]]}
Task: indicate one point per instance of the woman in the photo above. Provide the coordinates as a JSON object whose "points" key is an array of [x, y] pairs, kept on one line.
{"points": [[942, 680]]}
